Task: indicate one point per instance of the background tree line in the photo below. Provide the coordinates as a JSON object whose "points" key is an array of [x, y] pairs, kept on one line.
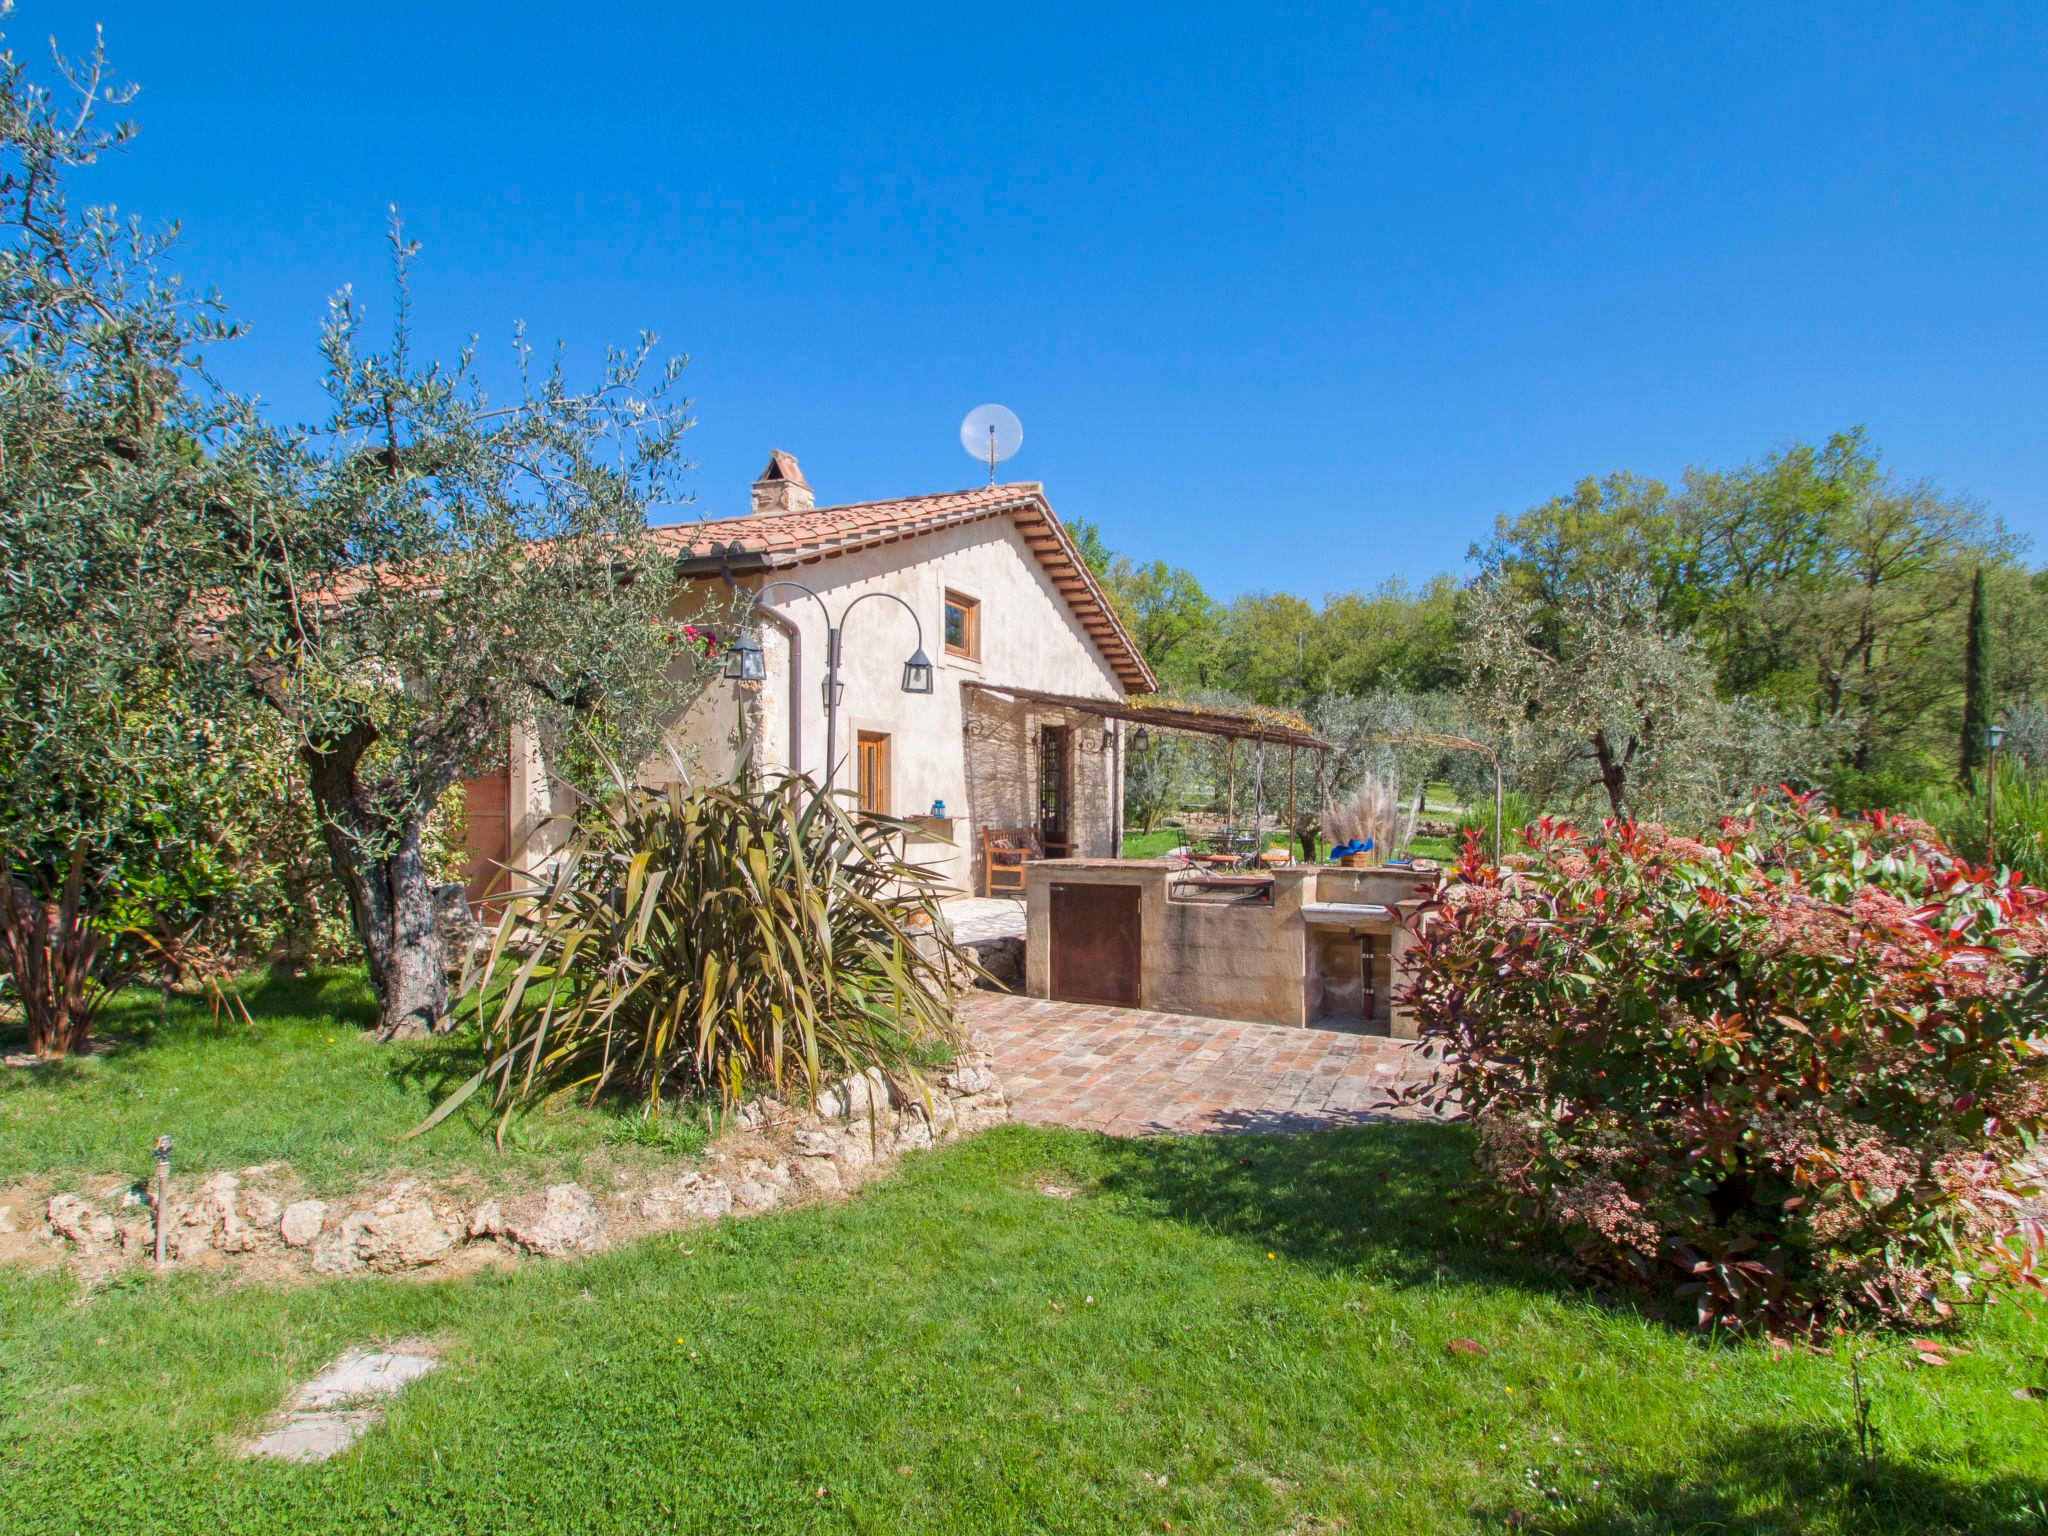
{"points": [[1633, 644]]}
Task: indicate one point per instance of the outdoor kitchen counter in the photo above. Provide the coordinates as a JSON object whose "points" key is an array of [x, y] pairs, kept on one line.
{"points": [[1154, 933]]}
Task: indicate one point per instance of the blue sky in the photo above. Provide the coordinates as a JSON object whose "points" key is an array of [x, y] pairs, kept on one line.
{"points": [[1299, 298]]}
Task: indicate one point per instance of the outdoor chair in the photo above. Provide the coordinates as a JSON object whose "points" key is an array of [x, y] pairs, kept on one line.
{"points": [[1004, 851]]}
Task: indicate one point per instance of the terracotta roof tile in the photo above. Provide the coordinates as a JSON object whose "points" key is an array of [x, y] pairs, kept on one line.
{"points": [[797, 538], [821, 530]]}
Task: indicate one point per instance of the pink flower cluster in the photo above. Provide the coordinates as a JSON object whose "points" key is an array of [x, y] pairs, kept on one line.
{"points": [[703, 641]]}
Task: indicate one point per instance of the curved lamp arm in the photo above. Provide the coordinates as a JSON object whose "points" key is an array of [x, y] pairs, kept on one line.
{"points": [[848, 610], [783, 581]]}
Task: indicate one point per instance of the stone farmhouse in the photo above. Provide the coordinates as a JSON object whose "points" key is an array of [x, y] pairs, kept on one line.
{"points": [[1021, 642]]}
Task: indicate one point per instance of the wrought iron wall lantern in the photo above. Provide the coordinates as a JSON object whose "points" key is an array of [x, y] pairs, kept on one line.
{"points": [[744, 662], [917, 672]]}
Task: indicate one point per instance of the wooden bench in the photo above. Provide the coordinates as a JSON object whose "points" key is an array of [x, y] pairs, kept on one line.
{"points": [[1004, 851]]}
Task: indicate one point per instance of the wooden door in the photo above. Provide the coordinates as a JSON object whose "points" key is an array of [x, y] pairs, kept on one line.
{"points": [[871, 754], [487, 814], [1095, 944], [1055, 787]]}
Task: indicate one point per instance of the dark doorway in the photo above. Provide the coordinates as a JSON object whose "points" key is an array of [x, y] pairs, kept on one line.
{"points": [[1095, 933], [1055, 786]]}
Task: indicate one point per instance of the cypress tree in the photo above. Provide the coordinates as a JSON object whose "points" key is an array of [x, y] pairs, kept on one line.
{"points": [[1976, 688]]}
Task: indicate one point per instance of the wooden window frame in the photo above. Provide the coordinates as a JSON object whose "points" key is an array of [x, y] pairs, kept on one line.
{"points": [[970, 609], [877, 742]]}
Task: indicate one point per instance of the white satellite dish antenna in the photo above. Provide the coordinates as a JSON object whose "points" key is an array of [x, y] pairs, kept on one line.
{"points": [[991, 433]]}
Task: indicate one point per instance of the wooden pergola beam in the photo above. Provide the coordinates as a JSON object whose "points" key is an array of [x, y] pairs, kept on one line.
{"points": [[1165, 717]]}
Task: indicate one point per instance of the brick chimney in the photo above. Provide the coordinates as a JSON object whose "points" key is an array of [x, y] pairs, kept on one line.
{"points": [[782, 486]]}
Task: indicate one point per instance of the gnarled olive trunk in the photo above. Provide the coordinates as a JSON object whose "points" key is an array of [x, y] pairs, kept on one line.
{"points": [[390, 893], [1614, 768]]}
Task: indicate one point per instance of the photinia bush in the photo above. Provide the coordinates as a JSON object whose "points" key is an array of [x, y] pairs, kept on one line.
{"points": [[1789, 1072]]}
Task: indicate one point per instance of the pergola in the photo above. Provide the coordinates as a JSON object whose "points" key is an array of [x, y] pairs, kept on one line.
{"points": [[1222, 724]]}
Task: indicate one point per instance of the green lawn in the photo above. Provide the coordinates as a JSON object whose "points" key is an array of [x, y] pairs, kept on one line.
{"points": [[305, 1085], [1214, 1335]]}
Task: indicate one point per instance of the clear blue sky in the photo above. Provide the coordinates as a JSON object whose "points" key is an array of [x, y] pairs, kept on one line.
{"points": [[1298, 299]]}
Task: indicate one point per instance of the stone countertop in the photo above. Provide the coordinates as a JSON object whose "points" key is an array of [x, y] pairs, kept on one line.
{"points": [[1056, 866]]}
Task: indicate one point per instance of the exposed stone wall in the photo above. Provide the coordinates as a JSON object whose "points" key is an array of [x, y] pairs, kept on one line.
{"points": [[1403, 889], [1001, 746], [1227, 962], [1220, 961]]}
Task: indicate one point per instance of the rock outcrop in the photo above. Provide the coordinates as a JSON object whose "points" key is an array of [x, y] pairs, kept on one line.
{"points": [[688, 1198], [77, 1222], [301, 1224]]}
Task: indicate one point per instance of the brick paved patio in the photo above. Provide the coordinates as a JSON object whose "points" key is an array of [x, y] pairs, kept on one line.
{"points": [[1130, 1072]]}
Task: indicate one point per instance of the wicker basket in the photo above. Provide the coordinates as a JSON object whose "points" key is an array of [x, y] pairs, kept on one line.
{"points": [[1356, 861]]}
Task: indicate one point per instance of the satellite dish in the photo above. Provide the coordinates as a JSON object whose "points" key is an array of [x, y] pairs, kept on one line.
{"points": [[991, 433]]}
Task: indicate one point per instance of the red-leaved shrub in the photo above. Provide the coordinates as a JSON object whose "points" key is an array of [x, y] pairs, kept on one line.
{"points": [[1786, 1072]]}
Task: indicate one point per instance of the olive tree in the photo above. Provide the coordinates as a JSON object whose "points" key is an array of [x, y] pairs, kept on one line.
{"points": [[429, 568], [111, 442], [1596, 703]]}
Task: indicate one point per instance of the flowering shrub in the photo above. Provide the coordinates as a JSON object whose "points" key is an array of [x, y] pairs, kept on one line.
{"points": [[691, 638], [1784, 1072]]}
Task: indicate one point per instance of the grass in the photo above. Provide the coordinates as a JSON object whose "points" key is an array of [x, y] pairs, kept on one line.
{"points": [[306, 1084], [1211, 1335], [1440, 799]]}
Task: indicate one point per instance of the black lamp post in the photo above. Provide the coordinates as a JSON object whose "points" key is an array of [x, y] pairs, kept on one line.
{"points": [[1993, 735], [745, 663]]}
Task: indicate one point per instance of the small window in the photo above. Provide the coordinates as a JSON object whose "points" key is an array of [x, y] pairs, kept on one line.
{"points": [[872, 755], [963, 626]]}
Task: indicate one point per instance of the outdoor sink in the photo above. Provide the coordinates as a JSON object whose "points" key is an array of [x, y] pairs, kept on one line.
{"points": [[1342, 914]]}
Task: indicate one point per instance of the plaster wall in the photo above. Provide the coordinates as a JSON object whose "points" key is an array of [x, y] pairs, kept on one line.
{"points": [[973, 752]]}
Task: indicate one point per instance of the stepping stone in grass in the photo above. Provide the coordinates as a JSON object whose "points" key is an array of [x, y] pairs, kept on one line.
{"points": [[342, 1404]]}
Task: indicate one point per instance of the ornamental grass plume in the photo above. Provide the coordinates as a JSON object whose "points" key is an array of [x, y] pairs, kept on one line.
{"points": [[1786, 1073], [1370, 812]]}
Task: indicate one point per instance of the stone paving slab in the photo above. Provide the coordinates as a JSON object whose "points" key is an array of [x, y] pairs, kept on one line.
{"points": [[1134, 1072], [343, 1403], [977, 919]]}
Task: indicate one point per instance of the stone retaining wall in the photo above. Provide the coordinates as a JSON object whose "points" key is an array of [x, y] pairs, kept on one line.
{"points": [[259, 1217]]}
